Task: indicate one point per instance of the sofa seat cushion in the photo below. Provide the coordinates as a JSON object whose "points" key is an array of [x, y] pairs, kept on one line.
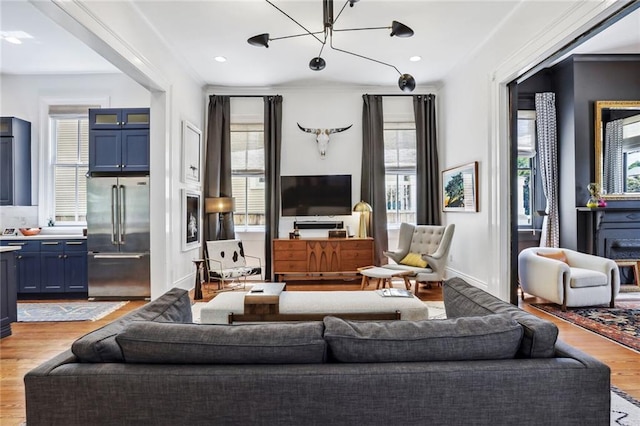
{"points": [[100, 345], [461, 299], [581, 278], [269, 343], [473, 338]]}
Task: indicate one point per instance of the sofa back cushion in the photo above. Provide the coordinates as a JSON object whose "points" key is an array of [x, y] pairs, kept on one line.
{"points": [[269, 343], [101, 346], [461, 299], [474, 338]]}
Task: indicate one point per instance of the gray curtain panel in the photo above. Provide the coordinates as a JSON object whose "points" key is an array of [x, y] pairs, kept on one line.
{"points": [[548, 152], [217, 181], [372, 185], [428, 169], [612, 170], [272, 150]]}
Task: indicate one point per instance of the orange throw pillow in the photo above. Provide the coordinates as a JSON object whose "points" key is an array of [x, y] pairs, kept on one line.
{"points": [[557, 255]]}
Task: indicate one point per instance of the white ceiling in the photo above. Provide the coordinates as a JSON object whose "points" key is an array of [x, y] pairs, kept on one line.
{"points": [[446, 32]]}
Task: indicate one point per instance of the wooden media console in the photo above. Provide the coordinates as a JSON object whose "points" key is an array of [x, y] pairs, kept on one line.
{"points": [[321, 258]]}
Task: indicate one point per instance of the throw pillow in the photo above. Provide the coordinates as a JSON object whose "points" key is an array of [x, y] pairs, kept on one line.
{"points": [[414, 259], [270, 343], [493, 336], [100, 345], [556, 255]]}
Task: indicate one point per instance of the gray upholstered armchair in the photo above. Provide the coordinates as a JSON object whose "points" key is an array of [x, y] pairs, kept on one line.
{"points": [[427, 243]]}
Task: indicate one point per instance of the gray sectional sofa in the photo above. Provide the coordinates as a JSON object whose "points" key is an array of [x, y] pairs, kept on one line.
{"points": [[489, 363]]}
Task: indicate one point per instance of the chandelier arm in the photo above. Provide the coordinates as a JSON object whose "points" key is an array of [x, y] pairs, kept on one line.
{"points": [[361, 29], [340, 13], [295, 35], [363, 57], [298, 23]]}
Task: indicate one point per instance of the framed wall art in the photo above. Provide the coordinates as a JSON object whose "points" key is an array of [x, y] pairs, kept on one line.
{"points": [[191, 154], [191, 221], [460, 188]]}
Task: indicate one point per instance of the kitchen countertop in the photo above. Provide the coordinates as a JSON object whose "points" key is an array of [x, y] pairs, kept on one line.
{"points": [[12, 248], [44, 237]]}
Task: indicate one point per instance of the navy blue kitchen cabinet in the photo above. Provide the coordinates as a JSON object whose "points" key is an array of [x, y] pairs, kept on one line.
{"points": [[8, 293], [50, 266], [27, 264], [15, 162], [75, 266], [118, 140]]}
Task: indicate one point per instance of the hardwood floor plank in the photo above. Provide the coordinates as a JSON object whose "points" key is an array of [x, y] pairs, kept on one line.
{"points": [[33, 343]]}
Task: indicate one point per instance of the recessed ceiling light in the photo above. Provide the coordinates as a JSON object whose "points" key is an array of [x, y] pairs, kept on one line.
{"points": [[220, 59], [14, 37], [13, 40], [415, 58]]}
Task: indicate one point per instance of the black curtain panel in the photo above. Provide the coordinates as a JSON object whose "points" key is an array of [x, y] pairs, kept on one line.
{"points": [[428, 170], [218, 165], [272, 150], [372, 185]]}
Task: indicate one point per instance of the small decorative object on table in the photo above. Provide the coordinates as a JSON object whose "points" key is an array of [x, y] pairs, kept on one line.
{"points": [[595, 199], [28, 232]]}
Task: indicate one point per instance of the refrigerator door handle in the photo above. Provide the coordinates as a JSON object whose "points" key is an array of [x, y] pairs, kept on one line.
{"points": [[121, 224], [117, 256], [114, 214]]}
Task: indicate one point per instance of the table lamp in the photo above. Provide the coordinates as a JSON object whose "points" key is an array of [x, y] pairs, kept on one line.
{"points": [[222, 206], [364, 209]]}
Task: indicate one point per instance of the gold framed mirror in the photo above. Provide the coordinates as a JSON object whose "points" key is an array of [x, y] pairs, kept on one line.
{"points": [[617, 149]]}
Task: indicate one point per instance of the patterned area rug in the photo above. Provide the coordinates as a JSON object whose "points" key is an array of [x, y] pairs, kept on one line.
{"points": [[620, 324], [625, 410], [67, 311]]}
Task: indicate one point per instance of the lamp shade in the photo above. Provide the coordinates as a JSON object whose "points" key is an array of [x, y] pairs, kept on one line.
{"points": [[361, 207], [219, 204], [406, 83], [399, 29], [364, 209], [260, 40]]}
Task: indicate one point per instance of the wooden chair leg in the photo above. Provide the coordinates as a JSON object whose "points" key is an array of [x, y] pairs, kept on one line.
{"points": [[407, 283], [365, 282]]}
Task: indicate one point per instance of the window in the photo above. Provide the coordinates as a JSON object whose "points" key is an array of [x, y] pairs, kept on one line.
{"points": [[247, 174], [526, 167], [400, 171], [69, 166]]}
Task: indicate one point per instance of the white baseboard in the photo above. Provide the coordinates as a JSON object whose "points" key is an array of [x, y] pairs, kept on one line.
{"points": [[450, 273]]}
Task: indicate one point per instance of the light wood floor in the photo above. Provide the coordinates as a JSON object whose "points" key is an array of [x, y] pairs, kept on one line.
{"points": [[33, 343]]}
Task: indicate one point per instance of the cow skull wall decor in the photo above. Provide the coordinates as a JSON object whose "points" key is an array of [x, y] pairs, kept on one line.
{"points": [[322, 137]]}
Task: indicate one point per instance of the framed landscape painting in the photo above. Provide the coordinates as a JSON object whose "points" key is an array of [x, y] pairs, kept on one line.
{"points": [[460, 188]]}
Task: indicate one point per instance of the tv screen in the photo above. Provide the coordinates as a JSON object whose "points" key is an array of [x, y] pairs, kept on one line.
{"points": [[319, 195]]}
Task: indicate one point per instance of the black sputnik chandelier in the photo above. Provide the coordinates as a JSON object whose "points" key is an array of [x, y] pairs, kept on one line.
{"points": [[406, 82]]}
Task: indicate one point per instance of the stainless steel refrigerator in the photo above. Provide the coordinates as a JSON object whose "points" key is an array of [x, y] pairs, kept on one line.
{"points": [[118, 237]]}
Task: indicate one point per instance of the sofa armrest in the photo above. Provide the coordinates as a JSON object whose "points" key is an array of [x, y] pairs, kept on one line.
{"points": [[66, 357], [564, 350]]}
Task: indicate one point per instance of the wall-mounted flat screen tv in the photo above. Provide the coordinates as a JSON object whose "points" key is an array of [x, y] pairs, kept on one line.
{"points": [[318, 195]]}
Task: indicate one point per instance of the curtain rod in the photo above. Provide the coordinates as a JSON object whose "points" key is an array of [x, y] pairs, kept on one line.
{"points": [[398, 95], [374, 94]]}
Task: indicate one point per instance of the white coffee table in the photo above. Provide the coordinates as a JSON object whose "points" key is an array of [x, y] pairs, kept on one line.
{"points": [[383, 276]]}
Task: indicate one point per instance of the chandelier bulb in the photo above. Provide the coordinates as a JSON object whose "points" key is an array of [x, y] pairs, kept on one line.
{"points": [[317, 64], [407, 83]]}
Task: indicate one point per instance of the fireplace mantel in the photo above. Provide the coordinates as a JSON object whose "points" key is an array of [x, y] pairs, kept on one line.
{"points": [[614, 232]]}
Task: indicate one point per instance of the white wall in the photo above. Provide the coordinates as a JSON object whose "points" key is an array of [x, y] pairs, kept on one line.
{"points": [[317, 107], [474, 124], [173, 96], [27, 97]]}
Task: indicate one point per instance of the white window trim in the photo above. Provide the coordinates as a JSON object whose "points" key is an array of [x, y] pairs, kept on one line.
{"points": [[44, 170]]}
